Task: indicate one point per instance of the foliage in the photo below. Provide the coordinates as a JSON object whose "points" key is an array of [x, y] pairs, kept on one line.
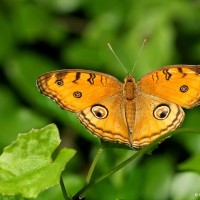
{"points": [[40, 36], [28, 161]]}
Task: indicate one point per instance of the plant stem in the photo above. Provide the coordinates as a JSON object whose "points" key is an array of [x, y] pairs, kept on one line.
{"points": [[113, 170], [63, 189], [92, 167], [137, 154]]}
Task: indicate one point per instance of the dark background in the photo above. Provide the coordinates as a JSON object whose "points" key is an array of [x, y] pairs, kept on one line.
{"points": [[42, 35]]}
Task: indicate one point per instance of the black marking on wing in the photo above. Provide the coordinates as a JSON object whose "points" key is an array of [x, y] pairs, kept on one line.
{"points": [[155, 77], [91, 79], [78, 75], [167, 74], [60, 75], [196, 70], [184, 88], [102, 80], [59, 82], [180, 70]]}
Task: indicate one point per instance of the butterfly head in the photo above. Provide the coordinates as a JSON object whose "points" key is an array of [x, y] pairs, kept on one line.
{"points": [[129, 79]]}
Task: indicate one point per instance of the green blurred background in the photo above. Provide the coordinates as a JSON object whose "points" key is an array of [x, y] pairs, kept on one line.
{"points": [[42, 35]]}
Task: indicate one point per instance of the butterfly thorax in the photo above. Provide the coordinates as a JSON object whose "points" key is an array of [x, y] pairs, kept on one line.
{"points": [[129, 89]]}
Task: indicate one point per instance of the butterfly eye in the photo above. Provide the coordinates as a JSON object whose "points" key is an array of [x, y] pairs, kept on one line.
{"points": [[99, 111], [161, 112]]}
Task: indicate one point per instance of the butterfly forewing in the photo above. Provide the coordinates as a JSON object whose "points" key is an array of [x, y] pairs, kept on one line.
{"points": [[178, 83], [76, 90]]}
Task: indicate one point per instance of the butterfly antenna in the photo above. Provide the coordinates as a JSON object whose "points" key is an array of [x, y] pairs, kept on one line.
{"points": [[110, 47], [138, 56]]}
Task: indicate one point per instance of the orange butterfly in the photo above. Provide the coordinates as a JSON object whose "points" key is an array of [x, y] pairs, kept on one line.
{"points": [[131, 113]]}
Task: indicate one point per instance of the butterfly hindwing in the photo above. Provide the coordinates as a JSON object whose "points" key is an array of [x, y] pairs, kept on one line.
{"points": [[156, 117]]}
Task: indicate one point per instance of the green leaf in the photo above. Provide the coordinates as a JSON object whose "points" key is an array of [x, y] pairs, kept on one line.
{"points": [[191, 164], [27, 167]]}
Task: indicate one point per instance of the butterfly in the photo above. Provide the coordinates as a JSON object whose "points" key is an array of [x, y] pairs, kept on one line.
{"points": [[131, 113]]}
